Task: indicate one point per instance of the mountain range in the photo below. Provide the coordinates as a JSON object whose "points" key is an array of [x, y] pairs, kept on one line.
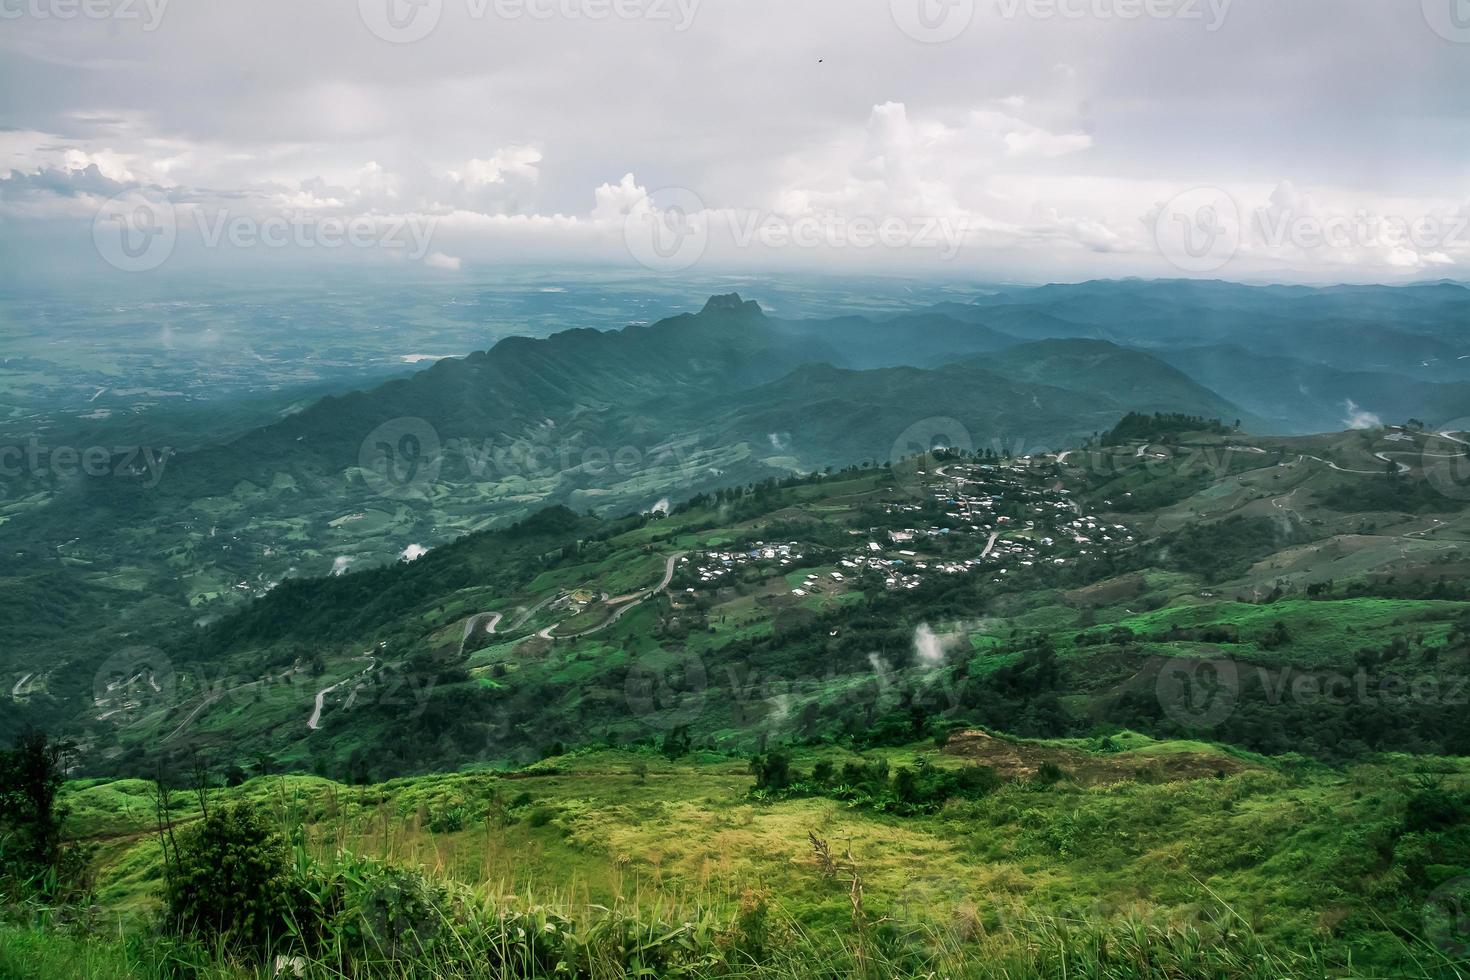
{"points": [[621, 421]]}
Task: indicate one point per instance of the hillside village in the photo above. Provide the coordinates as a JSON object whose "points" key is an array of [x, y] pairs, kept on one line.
{"points": [[993, 519]]}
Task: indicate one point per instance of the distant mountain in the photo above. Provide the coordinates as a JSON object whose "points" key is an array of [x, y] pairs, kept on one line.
{"points": [[1417, 331], [1294, 395], [910, 340], [1027, 398], [728, 374], [1137, 379]]}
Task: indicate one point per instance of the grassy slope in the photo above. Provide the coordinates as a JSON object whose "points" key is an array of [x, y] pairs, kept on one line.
{"points": [[1283, 848]]}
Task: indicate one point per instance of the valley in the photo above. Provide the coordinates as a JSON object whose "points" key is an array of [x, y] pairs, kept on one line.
{"points": [[868, 633]]}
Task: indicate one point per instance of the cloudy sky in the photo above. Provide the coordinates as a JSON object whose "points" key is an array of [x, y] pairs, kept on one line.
{"points": [[1022, 139]]}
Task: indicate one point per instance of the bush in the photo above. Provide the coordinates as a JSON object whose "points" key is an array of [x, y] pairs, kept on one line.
{"points": [[227, 879], [391, 914]]}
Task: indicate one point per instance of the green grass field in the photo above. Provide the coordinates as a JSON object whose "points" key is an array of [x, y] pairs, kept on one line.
{"points": [[1278, 852]]}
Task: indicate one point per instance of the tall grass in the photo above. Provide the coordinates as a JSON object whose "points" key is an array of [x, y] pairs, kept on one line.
{"points": [[373, 918], [1048, 950]]}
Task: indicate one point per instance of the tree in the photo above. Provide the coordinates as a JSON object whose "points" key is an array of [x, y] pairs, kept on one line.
{"points": [[677, 743], [772, 771], [30, 777], [229, 880]]}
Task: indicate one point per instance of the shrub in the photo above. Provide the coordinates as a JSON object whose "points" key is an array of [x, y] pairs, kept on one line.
{"points": [[1432, 807], [390, 913], [449, 819], [227, 879], [772, 771]]}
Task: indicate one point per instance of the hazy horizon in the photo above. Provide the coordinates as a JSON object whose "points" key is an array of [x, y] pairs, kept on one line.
{"points": [[1017, 140]]}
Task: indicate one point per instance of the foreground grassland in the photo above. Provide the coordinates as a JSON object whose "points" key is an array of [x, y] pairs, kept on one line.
{"points": [[1296, 868]]}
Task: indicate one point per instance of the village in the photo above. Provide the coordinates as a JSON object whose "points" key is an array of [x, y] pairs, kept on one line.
{"points": [[993, 519]]}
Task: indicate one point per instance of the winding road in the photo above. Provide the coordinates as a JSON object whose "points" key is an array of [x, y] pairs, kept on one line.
{"points": [[1402, 467], [209, 701], [474, 621], [315, 721], [1276, 501], [620, 611]]}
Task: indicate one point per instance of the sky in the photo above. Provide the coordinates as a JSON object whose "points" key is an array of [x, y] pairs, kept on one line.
{"points": [[1017, 140]]}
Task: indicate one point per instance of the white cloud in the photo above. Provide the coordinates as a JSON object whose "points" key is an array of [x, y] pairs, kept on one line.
{"points": [[1045, 143], [1358, 418], [438, 260], [515, 161], [928, 649], [614, 202]]}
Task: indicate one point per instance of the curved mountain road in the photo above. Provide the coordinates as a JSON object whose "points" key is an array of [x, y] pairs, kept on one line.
{"points": [[620, 611], [476, 620], [315, 722], [211, 699]]}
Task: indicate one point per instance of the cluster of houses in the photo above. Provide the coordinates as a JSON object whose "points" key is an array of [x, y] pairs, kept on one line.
{"points": [[1039, 520], [712, 566], [1014, 522]]}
